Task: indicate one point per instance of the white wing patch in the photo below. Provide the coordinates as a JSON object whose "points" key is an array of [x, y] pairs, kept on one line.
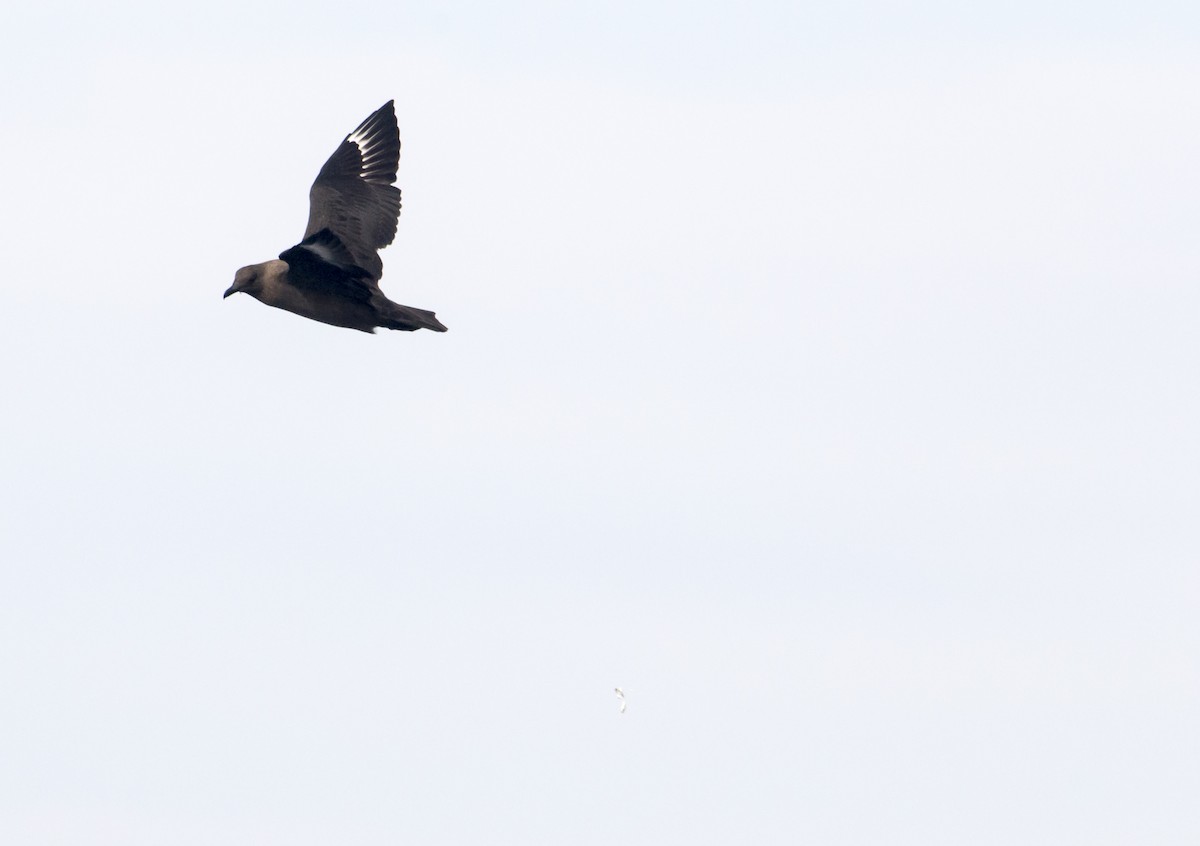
{"points": [[621, 698], [322, 252], [363, 143], [359, 138]]}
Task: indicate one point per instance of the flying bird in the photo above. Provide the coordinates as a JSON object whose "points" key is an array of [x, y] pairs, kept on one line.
{"points": [[333, 274], [621, 698]]}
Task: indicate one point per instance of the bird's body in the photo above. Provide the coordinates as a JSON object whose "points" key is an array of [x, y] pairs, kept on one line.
{"points": [[333, 274]]}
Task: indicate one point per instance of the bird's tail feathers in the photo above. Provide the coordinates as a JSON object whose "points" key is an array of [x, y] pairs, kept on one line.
{"points": [[407, 319]]}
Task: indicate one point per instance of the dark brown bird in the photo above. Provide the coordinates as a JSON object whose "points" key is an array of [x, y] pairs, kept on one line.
{"points": [[333, 274]]}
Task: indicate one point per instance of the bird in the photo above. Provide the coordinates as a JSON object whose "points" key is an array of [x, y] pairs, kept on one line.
{"points": [[333, 274], [621, 697]]}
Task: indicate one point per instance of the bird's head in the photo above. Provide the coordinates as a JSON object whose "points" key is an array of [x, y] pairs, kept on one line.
{"points": [[247, 280]]}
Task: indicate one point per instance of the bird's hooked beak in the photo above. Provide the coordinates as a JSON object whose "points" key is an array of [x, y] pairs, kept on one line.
{"points": [[233, 289]]}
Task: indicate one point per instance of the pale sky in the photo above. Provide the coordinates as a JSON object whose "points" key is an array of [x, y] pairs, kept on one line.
{"points": [[823, 376]]}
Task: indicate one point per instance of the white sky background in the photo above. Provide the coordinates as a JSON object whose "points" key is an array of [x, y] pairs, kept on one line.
{"points": [[822, 375]]}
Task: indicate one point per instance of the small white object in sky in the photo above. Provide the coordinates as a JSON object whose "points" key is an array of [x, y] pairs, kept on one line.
{"points": [[621, 696]]}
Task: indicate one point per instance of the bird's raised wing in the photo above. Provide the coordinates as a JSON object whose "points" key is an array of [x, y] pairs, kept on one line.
{"points": [[353, 196]]}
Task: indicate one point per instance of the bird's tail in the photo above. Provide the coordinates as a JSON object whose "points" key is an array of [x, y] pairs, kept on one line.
{"points": [[405, 318], [408, 319]]}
